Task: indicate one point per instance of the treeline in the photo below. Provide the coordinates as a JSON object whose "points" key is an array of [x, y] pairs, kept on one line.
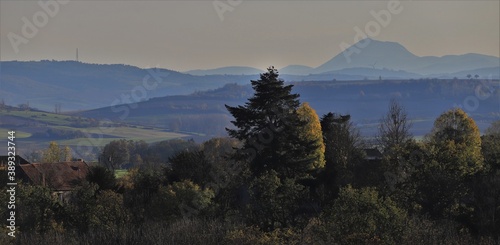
{"points": [[55, 133], [125, 154], [286, 176]]}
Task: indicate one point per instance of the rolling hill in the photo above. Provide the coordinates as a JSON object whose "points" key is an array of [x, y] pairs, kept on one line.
{"points": [[365, 100], [35, 129], [82, 86]]}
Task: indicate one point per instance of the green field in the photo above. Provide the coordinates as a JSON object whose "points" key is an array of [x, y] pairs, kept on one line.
{"points": [[41, 117], [120, 173], [129, 133], [30, 122], [19, 134]]}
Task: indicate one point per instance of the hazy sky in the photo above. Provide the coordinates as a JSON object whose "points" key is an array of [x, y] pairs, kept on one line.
{"points": [[183, 35]]}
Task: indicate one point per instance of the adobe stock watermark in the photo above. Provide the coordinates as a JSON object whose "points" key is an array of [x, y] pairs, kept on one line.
{"points": [[372, 29], [31, 27], [224, 6], [126, 102], [482, 91]]}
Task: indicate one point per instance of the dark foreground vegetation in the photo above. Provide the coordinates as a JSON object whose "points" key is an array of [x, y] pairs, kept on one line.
{"points": [[286, 176]]}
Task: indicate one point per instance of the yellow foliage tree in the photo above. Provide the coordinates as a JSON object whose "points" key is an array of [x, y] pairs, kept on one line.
{"points": [[456, 143], [455, 157], [53, 153], [312, 131], [67, 156]]}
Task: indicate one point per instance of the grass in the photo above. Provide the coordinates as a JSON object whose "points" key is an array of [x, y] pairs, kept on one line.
{"points": [[19, 134], [100, 136], [42, 117], [117, 133], [120, 173]]}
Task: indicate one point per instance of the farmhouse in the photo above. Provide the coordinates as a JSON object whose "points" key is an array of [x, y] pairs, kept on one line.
{"points": [[60, 177]]}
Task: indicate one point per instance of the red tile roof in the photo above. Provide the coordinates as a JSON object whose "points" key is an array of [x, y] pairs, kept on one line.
{"points": [[61, 176]]}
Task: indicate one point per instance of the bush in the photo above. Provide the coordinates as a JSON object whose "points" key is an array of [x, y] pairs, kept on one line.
{"points": [[360, 216], [35, 209], [181, 200], [186, 231], [422, 230], [102, 177], [254, 236]]}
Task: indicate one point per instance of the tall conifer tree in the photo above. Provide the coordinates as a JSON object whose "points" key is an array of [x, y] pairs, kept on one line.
{"points": [[270, 127]]}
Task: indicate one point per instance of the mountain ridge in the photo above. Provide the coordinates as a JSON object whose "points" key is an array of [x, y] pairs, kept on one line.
{"points": [[371, 53], [227, 70]]}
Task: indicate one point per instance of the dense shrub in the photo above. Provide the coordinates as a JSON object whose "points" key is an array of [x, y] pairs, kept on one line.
{"points": [[362, 216]]}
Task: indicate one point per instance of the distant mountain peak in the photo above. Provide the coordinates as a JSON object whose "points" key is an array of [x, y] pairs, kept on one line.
{"points": [[375, 54]]}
